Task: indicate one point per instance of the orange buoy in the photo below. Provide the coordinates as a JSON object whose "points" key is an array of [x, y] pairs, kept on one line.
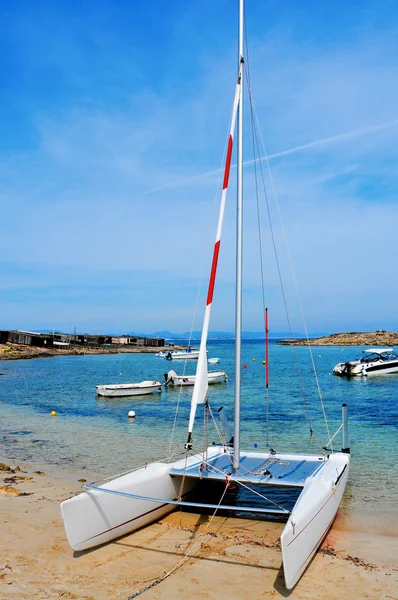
{"points": [[245, 366]]}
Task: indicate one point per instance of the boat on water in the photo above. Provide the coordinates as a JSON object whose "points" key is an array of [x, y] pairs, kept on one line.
{"points": [[315, 482], [188, 354], [117, 390], [374, 361], [212, 377]]}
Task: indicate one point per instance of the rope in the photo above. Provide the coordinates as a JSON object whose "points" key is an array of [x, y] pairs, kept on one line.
{"points": [[185, 558]]}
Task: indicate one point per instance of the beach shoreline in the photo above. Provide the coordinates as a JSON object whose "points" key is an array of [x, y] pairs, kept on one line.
{"points": [[10, 351], [234, 558]]}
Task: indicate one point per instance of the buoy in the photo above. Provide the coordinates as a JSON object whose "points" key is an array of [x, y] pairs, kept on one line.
{"points": [[264, 362], [253, 359], [53, 413], [245, 366], [131, 414], [320, 355]]}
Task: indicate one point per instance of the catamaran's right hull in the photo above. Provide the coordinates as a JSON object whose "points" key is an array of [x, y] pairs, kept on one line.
{"points": [[312, 516]]}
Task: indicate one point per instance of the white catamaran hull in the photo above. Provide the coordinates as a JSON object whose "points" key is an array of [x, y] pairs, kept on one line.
{"points": [[128, 389], [97, 516], [312, 516]]}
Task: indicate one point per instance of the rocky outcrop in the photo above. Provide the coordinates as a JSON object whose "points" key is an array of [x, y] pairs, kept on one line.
{"points": [[354, 338]]}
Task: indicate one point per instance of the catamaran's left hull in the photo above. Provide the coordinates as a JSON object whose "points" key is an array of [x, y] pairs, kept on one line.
{"points": [[96, 517], [312, 516]]}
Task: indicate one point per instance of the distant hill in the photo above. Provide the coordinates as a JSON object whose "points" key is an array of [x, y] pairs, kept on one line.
{"points": [[380, 337], [220, 335]]}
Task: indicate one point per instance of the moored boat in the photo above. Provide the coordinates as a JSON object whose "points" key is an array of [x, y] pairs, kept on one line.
{"points": [[117, 390], [212, 377], [374, 361], [188, 354]]}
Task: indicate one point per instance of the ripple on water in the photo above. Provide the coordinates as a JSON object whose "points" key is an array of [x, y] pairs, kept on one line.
{"points": [[95, 435]]}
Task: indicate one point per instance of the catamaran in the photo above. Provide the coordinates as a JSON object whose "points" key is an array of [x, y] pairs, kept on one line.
{"points": [[116, 507]]}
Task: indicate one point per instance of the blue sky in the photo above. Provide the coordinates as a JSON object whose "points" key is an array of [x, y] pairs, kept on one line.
{"points": [[114, 118]]}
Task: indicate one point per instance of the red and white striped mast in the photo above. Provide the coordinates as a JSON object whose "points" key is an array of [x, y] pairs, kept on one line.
{"points": [[201, 382]]}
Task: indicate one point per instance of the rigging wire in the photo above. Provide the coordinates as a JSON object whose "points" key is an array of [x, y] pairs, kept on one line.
{"points": [[202, 271], [276, 199], [260, 245], [255, 128]]}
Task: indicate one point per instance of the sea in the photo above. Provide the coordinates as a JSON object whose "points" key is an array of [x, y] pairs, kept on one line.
{"points": [[92, 437]]}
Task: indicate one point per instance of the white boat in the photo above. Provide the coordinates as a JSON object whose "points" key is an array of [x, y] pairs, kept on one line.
{"points": [[118, 390], [374, 361], [212, 377], [188, 354], [213, 361], [125, 503]]}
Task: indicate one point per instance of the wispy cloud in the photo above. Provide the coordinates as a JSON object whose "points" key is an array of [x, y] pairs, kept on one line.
{"points": [[340, 137], [110, 153]]}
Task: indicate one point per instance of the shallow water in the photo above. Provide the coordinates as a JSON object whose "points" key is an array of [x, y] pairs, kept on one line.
{"points": [[95, 437]]}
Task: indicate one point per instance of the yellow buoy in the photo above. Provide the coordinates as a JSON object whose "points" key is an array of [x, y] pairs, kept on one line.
{"points": [[263, 362], [253, 359], [53, 413]]}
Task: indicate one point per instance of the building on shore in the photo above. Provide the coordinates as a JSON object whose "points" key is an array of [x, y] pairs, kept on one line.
{"points": [[66, 340]]}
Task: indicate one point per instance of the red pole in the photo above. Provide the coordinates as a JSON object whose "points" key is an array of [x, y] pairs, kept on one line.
{"points": [[266, 347]]}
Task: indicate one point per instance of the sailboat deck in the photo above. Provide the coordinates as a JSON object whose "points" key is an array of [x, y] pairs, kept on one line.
{"points": [[288, 470]]}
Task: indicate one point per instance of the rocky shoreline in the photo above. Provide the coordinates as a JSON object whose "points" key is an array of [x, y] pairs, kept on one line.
{"points": [[11, 351], [354, 338]]}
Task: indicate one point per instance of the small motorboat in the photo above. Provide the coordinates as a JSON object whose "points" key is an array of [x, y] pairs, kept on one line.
{"points": [[213, 361], [212, 377], [374, 361], [128, 389], [188, 354]]}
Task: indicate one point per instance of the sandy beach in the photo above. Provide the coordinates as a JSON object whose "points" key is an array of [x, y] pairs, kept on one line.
{"points": [[231, 558]]}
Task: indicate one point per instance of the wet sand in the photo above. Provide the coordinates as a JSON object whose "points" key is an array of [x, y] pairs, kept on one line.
{"points": [[233, 559]]}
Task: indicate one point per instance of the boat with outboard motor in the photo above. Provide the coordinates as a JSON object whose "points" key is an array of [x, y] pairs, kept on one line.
{"points": [[188, 354], [314, 483], [374, 361], [212, 377]]}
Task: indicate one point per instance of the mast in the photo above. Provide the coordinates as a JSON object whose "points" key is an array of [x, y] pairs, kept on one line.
{"points": [[201, 382], [239, 253]]}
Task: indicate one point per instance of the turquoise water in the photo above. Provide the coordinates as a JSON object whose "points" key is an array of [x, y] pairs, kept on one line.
{"points": [[95, 437]]}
